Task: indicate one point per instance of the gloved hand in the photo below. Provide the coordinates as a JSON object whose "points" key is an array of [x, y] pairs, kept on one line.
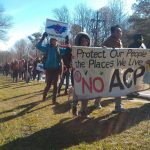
{"points": [[44, 35]]}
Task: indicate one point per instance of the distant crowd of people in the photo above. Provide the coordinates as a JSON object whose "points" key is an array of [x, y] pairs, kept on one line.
{"points": [[23, 70], [57, 62]]}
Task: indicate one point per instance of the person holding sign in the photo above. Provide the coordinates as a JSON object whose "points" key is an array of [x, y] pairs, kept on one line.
{"points": [[66, 57], [83, 39], [114, 41], [53, 65], [138, 42]]}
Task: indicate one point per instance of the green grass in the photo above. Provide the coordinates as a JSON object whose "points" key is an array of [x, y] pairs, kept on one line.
{"points": [[27, 123]]}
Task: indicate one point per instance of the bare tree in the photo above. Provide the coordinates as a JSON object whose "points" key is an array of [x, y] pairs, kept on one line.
{"points": [[101, 25], [62, 14], [108, 16], [118, 15], [21, 48], [96, 23], [5, 24], [83, 16], [142, 8], [5, 56]]}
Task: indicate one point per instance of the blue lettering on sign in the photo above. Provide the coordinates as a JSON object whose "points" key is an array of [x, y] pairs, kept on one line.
{"points": [[58, 28], [41, 66]]}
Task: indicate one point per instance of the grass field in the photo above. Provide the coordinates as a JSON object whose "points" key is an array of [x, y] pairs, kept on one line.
{"points": [[27, 123]]}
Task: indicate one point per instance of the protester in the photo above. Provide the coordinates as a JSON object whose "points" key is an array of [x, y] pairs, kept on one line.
{"points": [[39, 69], [138, 42], [66, 56], [114, 41], [15, 69], [146, 77], [83, 39], [6, 68], [1, 69], [53, 65], [28, 70], [22, 69], [34, 71]]}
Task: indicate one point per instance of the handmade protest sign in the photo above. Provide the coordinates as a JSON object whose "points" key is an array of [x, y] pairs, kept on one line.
{"points": [[146, 77], [40, 67], [101, 72], [56, 28]]}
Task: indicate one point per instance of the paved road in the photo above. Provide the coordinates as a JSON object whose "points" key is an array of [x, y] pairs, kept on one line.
{"points": [[145, 94]]}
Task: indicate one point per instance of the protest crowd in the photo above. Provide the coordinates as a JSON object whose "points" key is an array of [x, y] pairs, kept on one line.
{"points": [[56, 65]]}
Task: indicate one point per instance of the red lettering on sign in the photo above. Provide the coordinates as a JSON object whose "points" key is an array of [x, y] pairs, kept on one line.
{"points": [[96, 84], [88, 85], [101, 83]]}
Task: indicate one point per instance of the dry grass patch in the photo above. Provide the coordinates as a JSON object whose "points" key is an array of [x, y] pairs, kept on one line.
{"points": [[27, 123]]}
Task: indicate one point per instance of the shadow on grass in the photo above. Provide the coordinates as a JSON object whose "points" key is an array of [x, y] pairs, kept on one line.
{"points": [[33, 95], [71, 132], [8, 84], [66, 106], [38, 108], [26, 85], [4, 86], [26, 108], [16, 85], [10, 98], [62, 108]]}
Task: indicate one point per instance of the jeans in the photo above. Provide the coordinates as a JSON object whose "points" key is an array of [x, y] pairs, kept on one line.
{"points": [[51, 77], [65, 75]]}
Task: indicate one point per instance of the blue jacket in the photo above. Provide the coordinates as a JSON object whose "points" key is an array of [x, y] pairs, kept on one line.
{"points": [[53, 58]]}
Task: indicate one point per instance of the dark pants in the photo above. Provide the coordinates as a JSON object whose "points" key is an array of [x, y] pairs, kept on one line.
{"points": [[34, 73], [65, 75], [72, 80], [51, 77], [118, 104], [39, 75], [15, 75]]}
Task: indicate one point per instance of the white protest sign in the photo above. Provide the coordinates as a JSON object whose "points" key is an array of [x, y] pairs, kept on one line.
{"points": [[101, 72], [56, 28], [40, 67]]}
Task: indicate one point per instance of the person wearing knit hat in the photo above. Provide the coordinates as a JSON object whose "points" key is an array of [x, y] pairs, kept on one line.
{"points": [[83, 39]]}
